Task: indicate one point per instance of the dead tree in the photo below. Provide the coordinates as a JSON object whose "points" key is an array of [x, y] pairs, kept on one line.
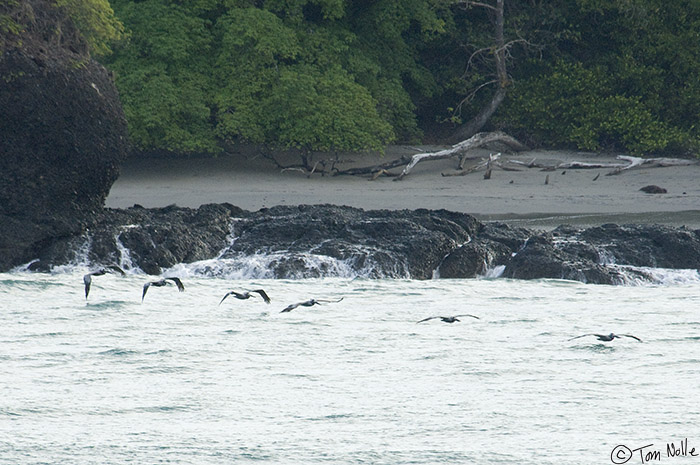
{"points": [[497, 52]]}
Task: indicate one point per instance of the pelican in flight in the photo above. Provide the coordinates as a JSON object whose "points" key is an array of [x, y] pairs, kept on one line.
{"points": [[161, 283], [448, 319], [308, 303], [247, 295], [607, 337], [87, 279]]}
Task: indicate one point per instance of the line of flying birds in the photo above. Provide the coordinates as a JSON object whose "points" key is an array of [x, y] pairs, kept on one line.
{"points": [[114, 269]]}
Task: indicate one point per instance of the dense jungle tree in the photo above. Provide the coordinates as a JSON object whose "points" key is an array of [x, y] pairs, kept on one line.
{"points": [[623, 74], [356, 74], [312, 75]]}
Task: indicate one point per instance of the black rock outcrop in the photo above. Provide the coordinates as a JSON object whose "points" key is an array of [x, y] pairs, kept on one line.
{"points": [[310, 241], [62, 139]]}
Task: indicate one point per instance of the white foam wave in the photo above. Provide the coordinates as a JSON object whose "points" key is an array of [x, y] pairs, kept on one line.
{"points": [[125, 261], [642, 276], [494, 272], [283, 264], [80, 260]]}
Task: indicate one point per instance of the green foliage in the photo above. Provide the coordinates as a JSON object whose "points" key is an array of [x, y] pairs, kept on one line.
{"points": [[356, 74], [96, 22], [287, 73], [163, 76], [94, 19], [387, 56], [575, 105], [624, 74], [287, 89], [327, 111], [253, 45], [10, 28]]}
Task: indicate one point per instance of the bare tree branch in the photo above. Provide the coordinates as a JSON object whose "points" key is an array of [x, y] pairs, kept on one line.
{"points": [[480, 4]]}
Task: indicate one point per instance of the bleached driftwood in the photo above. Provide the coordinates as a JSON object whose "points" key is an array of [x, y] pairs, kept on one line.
{"points": [[409, 161], [484, 164], [629, 163], [634, 162], [374, 169], [476, 141], [580, 165], [483, 138]]}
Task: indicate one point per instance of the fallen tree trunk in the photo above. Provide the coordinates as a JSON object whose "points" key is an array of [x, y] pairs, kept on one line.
{"points": [[473, 142], [484, 164], [410, 161], [483, 138], [634, 162], [631, 162], [375, 168]]}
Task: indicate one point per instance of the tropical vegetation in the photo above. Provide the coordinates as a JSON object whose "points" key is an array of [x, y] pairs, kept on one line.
{"points": [[354, 75]]}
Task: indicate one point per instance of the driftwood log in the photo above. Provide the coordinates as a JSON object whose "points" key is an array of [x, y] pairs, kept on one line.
{"points": [[476, 141], [410, 161], [479, 140], [628, 163]]}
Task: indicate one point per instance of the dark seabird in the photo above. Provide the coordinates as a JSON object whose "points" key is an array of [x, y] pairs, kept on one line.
{"points": [[247, 295], [607, 337], [447, 319], [87, 279], [308, 303], [161, 283]]}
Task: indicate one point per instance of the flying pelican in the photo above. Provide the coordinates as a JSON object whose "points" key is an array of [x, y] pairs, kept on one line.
{"points": [[448, 319], [87, 279], [161, 283], [247, 295], [308, 303], [607, 337]]}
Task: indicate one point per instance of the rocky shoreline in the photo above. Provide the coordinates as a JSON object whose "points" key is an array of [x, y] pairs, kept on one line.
{"points": [[418, 244]]}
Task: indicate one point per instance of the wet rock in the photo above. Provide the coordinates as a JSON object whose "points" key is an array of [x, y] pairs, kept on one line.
{"points": [[381, 242], [541, 258], [652, 189], [325, 240], [62, 139], [646, 245], [473, 259]]}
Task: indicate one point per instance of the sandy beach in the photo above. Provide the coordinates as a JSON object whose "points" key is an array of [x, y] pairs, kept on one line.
{"points": [[520, 197]]}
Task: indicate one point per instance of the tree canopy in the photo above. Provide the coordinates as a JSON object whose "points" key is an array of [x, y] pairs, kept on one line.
{"points": [[354, 75], [306, 74]]}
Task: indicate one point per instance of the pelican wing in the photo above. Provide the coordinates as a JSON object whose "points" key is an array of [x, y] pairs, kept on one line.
{"points": [[583, 335], [145, 289], [178, 283], [87, 279], [633, 337], [466, 314], [429, 318], [329, 301], [290, 308], [116, 269], [227, 294], [263, 294]]}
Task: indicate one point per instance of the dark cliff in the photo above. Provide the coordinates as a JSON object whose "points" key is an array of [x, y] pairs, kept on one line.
{"points": [[62, 138]]}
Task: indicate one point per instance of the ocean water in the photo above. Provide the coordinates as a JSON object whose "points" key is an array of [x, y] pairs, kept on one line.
{"points": [[180, 379]]}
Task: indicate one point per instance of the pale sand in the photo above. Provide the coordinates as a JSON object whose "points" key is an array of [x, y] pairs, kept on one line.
{"points": [[520, 197]]}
